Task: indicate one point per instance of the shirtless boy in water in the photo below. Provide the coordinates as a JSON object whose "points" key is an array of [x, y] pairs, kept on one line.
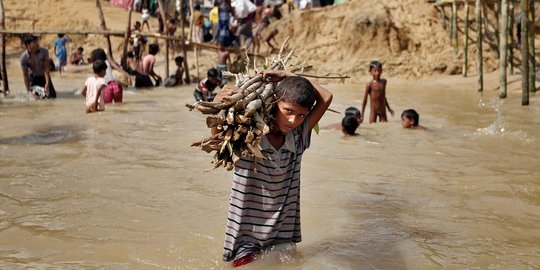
{"points": [[376, 89]]}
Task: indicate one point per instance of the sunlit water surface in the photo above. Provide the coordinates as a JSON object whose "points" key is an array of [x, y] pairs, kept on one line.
{"points": [[123, 189]]}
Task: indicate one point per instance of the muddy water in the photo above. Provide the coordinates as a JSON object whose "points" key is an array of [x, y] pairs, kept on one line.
{"points": [[122, 189]]}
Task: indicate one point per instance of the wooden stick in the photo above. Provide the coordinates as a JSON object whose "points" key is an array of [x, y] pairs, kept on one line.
{"points": [[524, 52], [197, 62], [191, 18], [532, 51], [67, 32], [5, 83], [165, 18], [126, 40], [183, 41], [479, 58], [503, 48], [323, 76], [454, 29], [466, 42], [104, 27], [511, 42]]}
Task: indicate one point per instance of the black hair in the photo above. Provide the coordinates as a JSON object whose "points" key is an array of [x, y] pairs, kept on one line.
{"points": [[350, 124], [352, 111], [153, 48], [172, 21], [179, 59], [212, 73], [28, 39], [80, 49], [375, 64], [98, 54], [297, 90], [197, 6], [411, 115], [99, 65], [61, 35]]}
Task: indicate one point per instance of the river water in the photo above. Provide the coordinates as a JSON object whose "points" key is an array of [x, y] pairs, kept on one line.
{"points": [[123, 189]]}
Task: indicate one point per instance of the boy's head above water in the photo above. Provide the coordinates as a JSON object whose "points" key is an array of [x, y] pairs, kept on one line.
{"points": [[295, 97], [409, 118], [351, 121]]}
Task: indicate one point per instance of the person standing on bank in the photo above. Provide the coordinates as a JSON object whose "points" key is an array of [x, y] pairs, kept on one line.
{"points": [[35, 67]]}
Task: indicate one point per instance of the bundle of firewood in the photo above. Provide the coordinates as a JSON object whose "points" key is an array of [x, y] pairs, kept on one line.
{"points": [[242, 119]]}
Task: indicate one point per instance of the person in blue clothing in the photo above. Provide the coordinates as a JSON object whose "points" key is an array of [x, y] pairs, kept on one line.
{"points": [[60, 51]]}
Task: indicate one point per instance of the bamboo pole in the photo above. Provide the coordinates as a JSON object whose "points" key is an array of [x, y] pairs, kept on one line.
{"points": [[165, 18], [183, 40], [496, 26], [524, 52], [466, 41], [104, 27], [191, 19], [511, 37], [443, 17], [503, 60], [197, 62], [5, 83], [479, 64], [532, 51], [126, 40], [454, 28], [65, 31]]}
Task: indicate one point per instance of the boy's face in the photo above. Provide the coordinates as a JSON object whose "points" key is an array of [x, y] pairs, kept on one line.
{"points": [[289, 115], [376, 72], [406, 122], [213, 80]]}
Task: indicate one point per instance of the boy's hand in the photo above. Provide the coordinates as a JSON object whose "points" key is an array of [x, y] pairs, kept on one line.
{"points": [[276, 75], [227, 90], [391, 112], [361, 119]]}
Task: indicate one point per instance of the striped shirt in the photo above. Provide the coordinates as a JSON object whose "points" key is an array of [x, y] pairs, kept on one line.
{"points": [[264, 207]]}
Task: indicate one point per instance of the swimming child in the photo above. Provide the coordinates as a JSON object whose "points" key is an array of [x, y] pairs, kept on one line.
{"points": [[176, 78], [411, 119], [60, 51], [205, 89], [376, 89], [145, 69], [94, 88], [349, 123], [264, 206]]}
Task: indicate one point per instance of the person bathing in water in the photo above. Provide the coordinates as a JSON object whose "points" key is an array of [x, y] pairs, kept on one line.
{"points": [[376, 90]]}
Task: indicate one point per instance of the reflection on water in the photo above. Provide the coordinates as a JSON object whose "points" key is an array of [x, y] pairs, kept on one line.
{"points": [[46, 135], [123, 189]]}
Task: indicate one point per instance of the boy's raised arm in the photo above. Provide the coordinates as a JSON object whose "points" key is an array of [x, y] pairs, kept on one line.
{"points": [[324, 98]]}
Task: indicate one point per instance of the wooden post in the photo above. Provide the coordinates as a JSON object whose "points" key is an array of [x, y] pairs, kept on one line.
{"points": [[104, 27], [479, 64], [502, 48], [466, 41], [443, 17], [524, 52], [197, 61], [5, 83], [165, 18], [511, 37], [126, 40], [191, 19], [496, 26], [183, 41], [532, 51], [454, 28]]}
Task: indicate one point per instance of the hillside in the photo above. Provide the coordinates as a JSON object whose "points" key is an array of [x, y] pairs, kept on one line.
{"points": [[406, 35]]}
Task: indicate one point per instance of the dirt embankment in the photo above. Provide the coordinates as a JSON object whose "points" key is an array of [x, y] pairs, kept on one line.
{"points": [[405, 35]]}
